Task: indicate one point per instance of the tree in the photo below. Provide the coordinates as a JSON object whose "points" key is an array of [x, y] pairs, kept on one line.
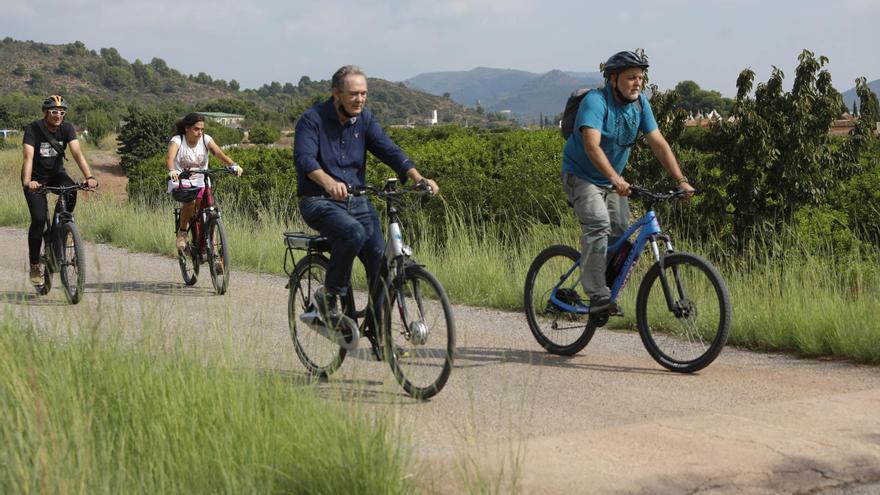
{"points": [[775, 156], [144, 134], [233, 85], [118, 78], [99, 125], [113, 58], [264, 134]]}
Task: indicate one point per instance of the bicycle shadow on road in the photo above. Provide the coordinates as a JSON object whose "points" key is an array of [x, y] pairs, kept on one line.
{"points": [[26, 298], [473, 357], [345, 390], [159, 288]]}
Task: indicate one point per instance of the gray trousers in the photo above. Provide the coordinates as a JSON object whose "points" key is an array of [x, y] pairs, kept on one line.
{"points": [[603, 214]]}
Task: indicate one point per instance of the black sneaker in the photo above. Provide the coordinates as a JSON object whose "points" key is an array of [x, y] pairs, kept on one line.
{"points": [[327, 305], [602, 304]]}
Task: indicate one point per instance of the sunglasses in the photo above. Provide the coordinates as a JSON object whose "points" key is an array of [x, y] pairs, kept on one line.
{"points": [[57, 113]]}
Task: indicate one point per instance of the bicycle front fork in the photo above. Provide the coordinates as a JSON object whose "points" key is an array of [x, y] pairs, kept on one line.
{"points": [[671, 300]]}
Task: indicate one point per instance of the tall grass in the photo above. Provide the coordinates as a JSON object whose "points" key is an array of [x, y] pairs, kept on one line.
{"points": [[797, 299], [89, 415]]}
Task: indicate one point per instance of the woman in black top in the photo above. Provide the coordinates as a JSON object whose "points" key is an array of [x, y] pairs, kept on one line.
{"points": [[45, 142]]}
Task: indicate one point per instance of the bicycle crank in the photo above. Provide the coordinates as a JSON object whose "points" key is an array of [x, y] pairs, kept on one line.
{"points": [[344, 333]]}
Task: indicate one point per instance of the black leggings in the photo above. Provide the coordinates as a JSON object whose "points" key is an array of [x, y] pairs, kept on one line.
{"points": [[38, 205]]}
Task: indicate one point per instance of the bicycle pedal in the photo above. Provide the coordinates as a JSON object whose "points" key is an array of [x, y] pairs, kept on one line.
{"points": [[617, 312]]}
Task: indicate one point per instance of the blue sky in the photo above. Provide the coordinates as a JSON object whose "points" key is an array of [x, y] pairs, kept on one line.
{"points": [[260, 41]]}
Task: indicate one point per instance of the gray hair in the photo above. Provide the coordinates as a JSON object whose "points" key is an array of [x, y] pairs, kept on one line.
{"points": [[339, 76]]}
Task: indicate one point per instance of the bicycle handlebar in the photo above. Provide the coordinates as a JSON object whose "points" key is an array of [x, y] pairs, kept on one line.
{"points": [[186, 174], [63, 189], [656, 197]]}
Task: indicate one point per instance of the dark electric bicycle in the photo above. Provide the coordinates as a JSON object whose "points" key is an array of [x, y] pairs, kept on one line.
{"points": [[206, 236], [417, 340], [682, 308], [63, 251]]}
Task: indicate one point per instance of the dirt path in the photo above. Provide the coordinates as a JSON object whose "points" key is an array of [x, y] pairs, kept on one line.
{"points": [[111, 177], [608, 420]]}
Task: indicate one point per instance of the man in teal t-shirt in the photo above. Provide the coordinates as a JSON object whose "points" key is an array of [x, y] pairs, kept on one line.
{"points": [[593, 160]]}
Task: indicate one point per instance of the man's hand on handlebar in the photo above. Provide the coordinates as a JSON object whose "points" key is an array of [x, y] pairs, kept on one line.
{"points": [[431, 186], [33, 185], [621, 187], [90, 182], [337, 191], [687, 188]]}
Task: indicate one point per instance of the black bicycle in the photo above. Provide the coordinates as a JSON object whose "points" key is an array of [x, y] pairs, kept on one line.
{"points": [[63, 251], [206, 236], [419, 343]]}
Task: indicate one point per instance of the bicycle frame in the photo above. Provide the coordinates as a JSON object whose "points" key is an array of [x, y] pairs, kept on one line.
{"points": [[395, 255], [649, 231], [60, 216]]}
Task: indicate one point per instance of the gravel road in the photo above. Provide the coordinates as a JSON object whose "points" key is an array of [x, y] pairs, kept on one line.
{"points": [[608, 420]]}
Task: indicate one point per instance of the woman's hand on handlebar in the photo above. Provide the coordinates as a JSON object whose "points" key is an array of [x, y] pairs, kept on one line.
{"points": [[174, 175], [235, 168]]}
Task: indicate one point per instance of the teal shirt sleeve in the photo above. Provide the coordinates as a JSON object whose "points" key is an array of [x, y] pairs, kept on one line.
{"points": [[591, 112], [648, 122]]}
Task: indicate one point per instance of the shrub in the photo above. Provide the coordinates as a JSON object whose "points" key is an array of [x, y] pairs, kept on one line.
{"points": [[264, 134]]}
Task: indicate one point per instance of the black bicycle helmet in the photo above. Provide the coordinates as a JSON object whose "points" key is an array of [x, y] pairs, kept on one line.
{"points": [[623, 60], [54, 101]]}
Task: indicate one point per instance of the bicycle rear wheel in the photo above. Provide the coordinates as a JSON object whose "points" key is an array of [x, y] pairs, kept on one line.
{"points": [[72, 262], [419, 338], [557, 330], [688, 337], [218, 256], [188, 259], [318, 353]]}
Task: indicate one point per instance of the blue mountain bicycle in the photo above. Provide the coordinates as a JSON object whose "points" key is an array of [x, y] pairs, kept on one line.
{"points": [[682, 308]]}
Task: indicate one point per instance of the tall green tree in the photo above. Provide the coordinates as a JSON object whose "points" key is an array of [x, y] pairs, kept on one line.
{"points": [[144, 134], [775, 156]]}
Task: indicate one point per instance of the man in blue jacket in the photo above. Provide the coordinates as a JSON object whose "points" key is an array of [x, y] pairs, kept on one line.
{"points": [[330, 153]]}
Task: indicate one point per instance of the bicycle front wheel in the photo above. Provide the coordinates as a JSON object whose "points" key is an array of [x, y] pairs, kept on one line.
{"points": [[318, 352], [419, 337], [218, 256], [687, 332], [557, 330], [72, 262]]}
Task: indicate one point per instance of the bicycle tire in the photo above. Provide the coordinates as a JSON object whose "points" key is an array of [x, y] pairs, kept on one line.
{"points": [[688, 342], [188, 260], [545, 272], [218, 256], [419, 347], [72, 262], [318, 354]]}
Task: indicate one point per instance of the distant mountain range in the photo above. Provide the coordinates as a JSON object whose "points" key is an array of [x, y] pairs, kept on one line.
{"points": [[525, 95], [850, 96]]}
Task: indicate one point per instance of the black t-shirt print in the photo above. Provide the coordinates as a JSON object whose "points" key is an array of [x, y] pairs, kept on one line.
{"points": [[47, 161]]}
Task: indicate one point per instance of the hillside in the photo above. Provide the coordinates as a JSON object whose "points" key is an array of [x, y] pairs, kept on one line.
{"points": [[35, 69], [850, 96], [525, 94]]}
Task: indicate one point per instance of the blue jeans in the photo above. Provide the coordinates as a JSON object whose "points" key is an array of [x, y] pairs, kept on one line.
{"points": [[353, 228]]}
